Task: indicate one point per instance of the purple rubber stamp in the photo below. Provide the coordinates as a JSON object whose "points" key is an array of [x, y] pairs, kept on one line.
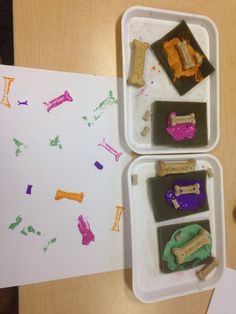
{"points": [[58, 101], [181, 127], [186, 195], [29, 189]]}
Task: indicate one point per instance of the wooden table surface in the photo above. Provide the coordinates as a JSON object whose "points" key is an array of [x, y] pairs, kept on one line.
{"points": [[84, 36]]}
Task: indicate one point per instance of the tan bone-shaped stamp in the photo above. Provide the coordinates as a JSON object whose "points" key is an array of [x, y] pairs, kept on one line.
{"points": [[207, 269], [190, 118], [191, 246], [187, 189], [185, 57], [138, 59], [175, 167]]}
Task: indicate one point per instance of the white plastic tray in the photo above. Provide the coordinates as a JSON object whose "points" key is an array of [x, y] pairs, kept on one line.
{"points": [[149, 25], [149, 283]]}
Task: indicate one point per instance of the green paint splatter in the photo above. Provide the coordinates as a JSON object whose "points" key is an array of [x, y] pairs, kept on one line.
{"points": [[99, 110], [24, 232], [30, 229], [17, 142], [13, 225], [18, 145], [55, 142], [48, 244], [18, 151]]}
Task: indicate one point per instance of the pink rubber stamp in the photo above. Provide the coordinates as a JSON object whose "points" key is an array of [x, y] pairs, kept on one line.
{"points": [[84, 228], [110, 149], [181, 127], [58, 101]]}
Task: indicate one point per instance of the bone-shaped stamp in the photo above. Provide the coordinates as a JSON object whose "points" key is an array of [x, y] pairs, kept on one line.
{"points": [[145, 131], [188, 189], [58, 101], [175, 203], [207, 269], [174, 119], [185, 57], [191, 246], [175, 167], [69, 195], [6, 90], [179, 236], [198, 58], [147, 115], [110, 149], [119, 210], [210, 172], [138, 59]]}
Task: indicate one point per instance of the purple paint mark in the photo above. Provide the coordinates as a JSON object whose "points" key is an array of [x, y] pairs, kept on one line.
{"points": [[141, 92], [110, 149], [24, 103], [58, 101], [187, 201], [29, 188], [98, 165], [84, 228], [182, 131]]}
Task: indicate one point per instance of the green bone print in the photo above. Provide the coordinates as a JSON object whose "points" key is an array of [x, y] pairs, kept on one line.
{"points": [[55, 142], [48, 244], [18, 145], [13, 225], [99, 110]]}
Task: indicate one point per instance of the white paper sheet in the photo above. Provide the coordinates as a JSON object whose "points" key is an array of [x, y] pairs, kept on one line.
{"points": [[223, 299], [69, 167]]}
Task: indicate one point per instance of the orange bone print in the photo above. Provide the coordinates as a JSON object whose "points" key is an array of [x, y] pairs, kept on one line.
{"points": [[6, 90], [69, 195], [119, 210]]}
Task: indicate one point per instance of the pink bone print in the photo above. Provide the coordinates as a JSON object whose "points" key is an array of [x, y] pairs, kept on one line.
{"points": [[84, 228], [112, 150], [58, 101]]}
